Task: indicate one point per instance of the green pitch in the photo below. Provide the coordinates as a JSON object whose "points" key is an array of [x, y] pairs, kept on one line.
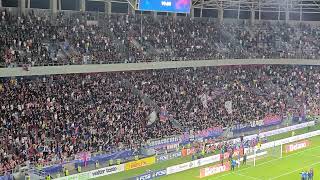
{"points": [[286, 168], [272, 167]]}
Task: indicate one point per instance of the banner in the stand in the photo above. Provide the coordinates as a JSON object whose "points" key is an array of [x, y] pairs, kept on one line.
{"points": [[201, 135], [163, 143], [163, 115], [172, 141], [270, 119], [228, 106]]}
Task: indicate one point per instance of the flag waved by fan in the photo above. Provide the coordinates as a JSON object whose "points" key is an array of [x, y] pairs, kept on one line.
{"points": [[163, 115]]}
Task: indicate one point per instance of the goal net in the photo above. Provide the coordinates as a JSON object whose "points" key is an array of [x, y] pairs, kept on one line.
{"points": [[257, 155]]}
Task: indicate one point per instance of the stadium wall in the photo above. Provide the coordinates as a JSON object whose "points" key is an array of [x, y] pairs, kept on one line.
{"points": [[94, 68]]}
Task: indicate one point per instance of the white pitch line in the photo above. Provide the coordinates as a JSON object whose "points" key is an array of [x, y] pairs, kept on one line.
{"points": [[250, 177], [267, 162], [287, 173], [318, 156]]}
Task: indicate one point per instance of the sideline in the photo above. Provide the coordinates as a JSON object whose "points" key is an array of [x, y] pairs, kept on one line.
{"points": [[250, 177]]}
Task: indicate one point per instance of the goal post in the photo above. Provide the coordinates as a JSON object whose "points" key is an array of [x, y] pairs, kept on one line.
{"points": [[255, 154], [275, 151], [281, 150], [254, 157]]}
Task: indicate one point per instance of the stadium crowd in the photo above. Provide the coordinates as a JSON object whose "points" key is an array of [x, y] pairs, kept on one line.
{"points": [[40, 39], [52, 118]]}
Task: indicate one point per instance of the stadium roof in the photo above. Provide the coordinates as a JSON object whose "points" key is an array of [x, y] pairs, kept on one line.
{"points": [[248, 5], [266, 5]]}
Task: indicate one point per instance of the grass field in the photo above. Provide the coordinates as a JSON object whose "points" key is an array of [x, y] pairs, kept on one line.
{"points": [[286, 168]]}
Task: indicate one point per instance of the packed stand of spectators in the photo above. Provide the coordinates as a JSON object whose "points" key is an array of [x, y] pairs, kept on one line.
{"points": [[40, 39], [51, 118], [267, 40], [182, 38], [36, 39], [21, 39], [197, 97], [174, 39], [93, 42]]}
